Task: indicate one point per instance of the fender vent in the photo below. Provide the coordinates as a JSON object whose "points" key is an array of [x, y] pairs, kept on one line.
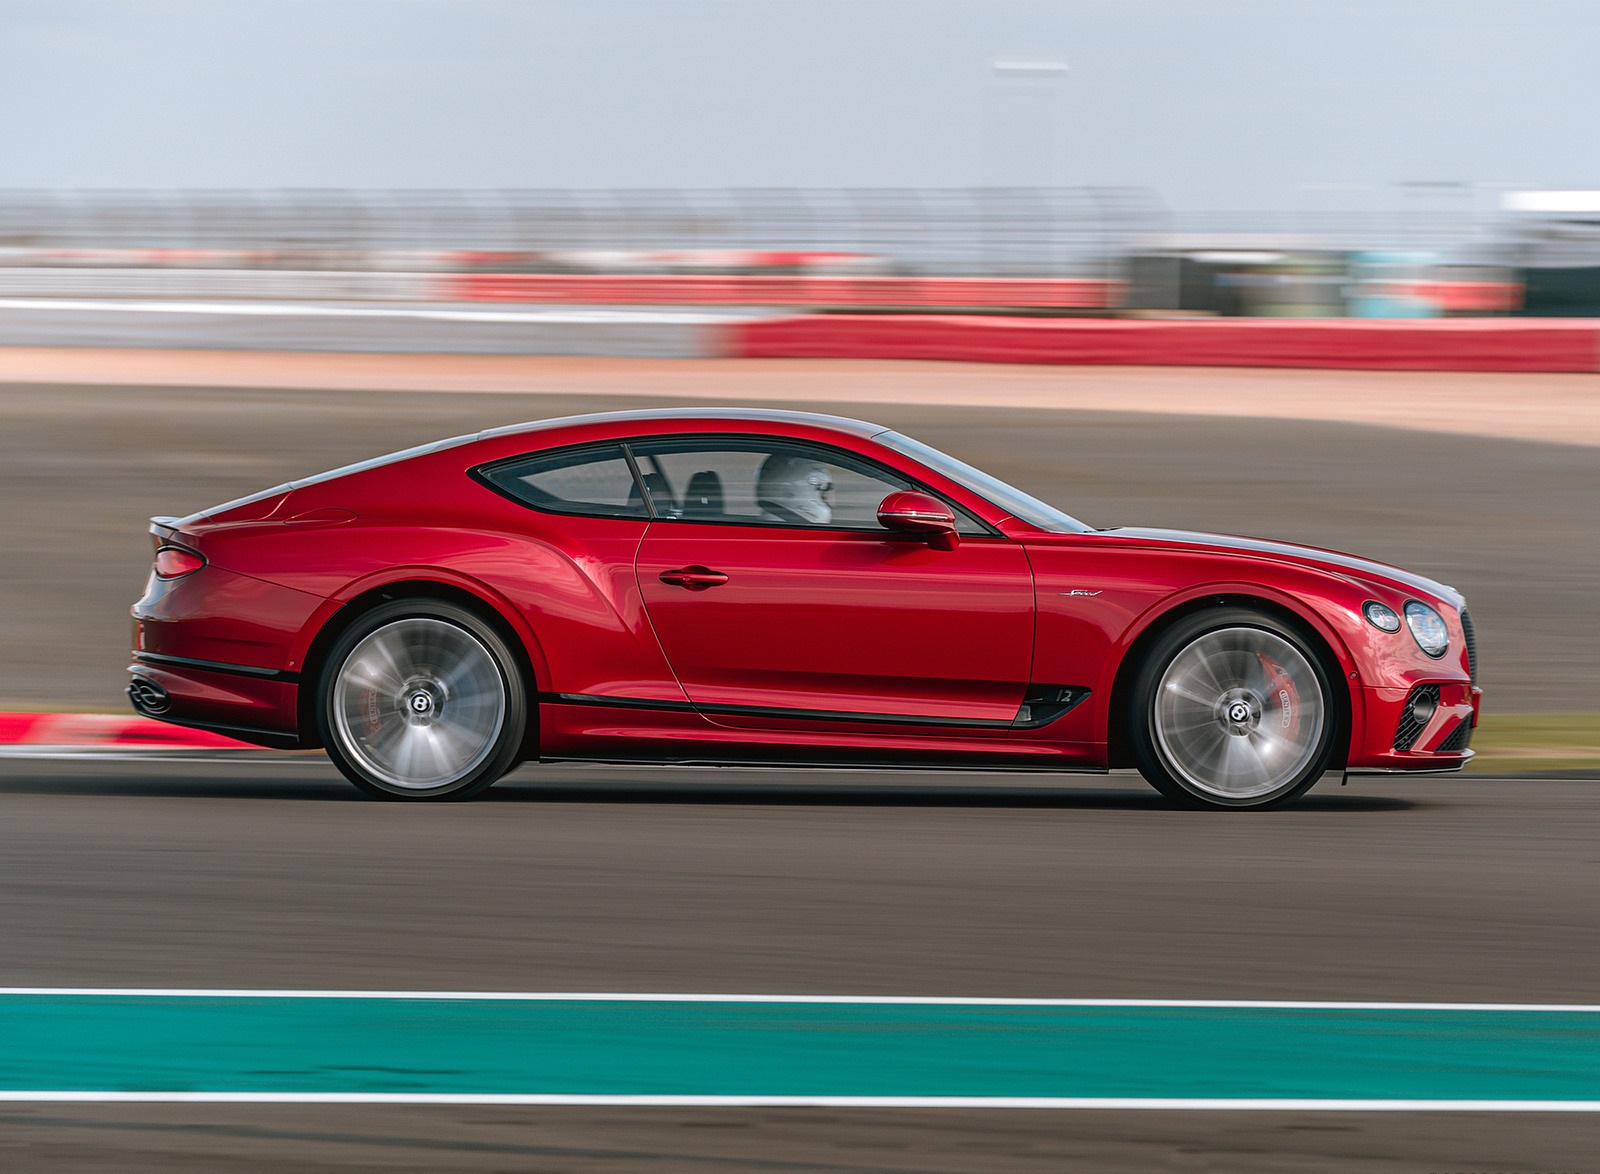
{"points": [[1043, 704]]}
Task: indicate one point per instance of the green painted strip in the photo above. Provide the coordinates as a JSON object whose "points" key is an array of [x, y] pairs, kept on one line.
{"points": [[586, 1046]]}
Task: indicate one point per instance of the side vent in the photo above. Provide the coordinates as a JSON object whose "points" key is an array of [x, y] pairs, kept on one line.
{"points": [[1043, 704]]}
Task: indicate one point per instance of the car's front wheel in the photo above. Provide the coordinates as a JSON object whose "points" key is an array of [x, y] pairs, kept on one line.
{"points": [[1233, 708], [420, 699]]}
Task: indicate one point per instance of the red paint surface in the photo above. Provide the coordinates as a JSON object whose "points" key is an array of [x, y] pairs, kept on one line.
{"points": [[859, 622], [817, 619]]}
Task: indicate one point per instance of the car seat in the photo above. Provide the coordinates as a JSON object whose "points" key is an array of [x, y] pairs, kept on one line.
{"points": [[703, 498]]}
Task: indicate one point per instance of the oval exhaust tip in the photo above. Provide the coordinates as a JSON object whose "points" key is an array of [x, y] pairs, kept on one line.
{"points": [[148, 697]]}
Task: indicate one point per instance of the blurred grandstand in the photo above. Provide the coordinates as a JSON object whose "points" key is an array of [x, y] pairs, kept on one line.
{"points": [[1030, 250]]}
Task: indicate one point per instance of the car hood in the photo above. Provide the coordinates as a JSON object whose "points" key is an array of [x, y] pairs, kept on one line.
{"points": [[1346, 564]]}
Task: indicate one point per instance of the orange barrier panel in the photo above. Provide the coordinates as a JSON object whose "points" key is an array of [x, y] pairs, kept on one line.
{"points": [[1408, 345], [776, 289]]}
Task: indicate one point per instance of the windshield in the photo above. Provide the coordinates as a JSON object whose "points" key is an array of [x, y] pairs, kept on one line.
{"points": [[1015, 502]]}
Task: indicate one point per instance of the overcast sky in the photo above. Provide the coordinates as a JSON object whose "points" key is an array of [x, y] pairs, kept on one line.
{"points": [[1214, 103]]}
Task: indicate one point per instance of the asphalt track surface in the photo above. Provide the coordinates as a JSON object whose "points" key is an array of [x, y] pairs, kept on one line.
{"points": [[164, 874], [590, 879]]}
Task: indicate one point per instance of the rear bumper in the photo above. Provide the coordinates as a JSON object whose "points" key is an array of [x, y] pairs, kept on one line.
{"points": [[211, 651], [231, 700]]}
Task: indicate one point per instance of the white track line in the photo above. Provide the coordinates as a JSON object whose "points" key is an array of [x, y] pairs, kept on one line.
{"points": [[1202, 1104], [863, 1000]]}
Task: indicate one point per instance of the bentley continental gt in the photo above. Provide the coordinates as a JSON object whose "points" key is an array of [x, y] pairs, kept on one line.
{"points": [[748, 586]]}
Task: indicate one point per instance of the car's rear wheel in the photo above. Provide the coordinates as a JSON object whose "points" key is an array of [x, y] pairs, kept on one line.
{"points": [[420, 699], [1233, 708]]}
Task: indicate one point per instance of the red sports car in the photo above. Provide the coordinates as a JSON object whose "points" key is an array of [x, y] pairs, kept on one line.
{"points": [[778, 587]]}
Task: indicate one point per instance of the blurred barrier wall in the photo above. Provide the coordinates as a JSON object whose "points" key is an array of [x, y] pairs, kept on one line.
{"points": [[343, 328], [1503, 344], [1412, 345]]}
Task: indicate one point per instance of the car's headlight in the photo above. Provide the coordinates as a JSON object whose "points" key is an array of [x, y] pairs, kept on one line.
{"points": [[1381, 616], [1428, 627]]}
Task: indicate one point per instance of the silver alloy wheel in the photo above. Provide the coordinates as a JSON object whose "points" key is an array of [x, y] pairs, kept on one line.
{"points": [[1239, 713], [419, 703]]}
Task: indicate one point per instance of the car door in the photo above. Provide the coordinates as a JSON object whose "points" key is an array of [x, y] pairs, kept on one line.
{"points": [[573, 576], [769, 603]]}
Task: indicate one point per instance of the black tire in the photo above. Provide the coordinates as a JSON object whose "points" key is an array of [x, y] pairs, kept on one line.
{"points": [[1233, 708], [421, 700]]}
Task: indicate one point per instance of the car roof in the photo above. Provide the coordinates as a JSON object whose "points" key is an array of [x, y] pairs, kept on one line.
{"points": [[707, 415]]}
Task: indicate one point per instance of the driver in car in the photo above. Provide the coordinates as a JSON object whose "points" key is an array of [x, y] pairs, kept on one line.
{"points": [[795, 489]]}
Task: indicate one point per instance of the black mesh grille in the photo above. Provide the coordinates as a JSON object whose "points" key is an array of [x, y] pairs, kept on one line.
{"points": [[1458, 738], [1471, 637], [1410, 729]]}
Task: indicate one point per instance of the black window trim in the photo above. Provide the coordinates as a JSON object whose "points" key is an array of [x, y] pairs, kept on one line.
{"points": [[855, 458], [481, 474]]}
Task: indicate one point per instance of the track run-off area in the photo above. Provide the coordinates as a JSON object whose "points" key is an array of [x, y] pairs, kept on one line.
{"points": [[771, 1050]]}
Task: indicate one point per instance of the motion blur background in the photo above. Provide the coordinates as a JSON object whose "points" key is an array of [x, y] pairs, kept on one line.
{"points": [[1347, 156], [245, 242]]}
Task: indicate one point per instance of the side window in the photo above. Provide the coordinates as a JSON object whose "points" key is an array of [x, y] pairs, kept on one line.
{"points": [[596, 481], [763, 482]]}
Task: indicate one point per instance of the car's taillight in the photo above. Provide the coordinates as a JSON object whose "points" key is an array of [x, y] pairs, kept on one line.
{"points": [[174, 562]]}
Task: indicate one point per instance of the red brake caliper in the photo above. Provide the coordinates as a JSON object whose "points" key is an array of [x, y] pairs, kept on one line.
{"points": [[1282, 700]]}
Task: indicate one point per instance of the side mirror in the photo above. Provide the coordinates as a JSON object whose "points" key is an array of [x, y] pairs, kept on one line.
{"points": [[921, 516]]}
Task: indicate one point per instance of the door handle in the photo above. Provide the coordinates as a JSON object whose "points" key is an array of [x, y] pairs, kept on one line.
{"points": [[695, 578]]}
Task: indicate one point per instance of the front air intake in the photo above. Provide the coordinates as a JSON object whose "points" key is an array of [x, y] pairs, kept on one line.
{"points": [[1457, 740], [1420, 707]]}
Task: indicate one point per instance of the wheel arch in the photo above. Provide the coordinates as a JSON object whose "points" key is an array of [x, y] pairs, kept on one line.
{"points": [[524, 649], [1320, 638]]}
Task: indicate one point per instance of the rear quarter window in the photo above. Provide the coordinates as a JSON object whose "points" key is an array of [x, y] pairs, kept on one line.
{"points": [[598, 482]]}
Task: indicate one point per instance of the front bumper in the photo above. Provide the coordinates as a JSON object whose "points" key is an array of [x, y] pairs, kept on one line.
{"points": [[1424, 727]]}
